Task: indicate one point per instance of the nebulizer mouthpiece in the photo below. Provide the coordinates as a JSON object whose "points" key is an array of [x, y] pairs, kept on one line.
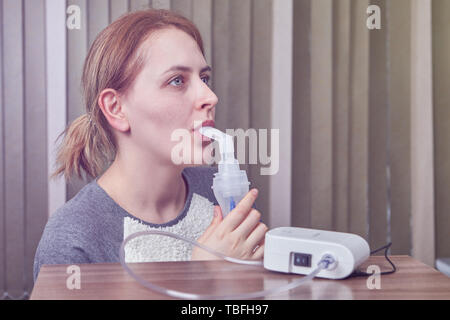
{"points": [[230, 184]]}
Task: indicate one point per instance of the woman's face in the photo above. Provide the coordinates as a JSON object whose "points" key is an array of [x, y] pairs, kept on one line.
{"points": [[170, 93]]}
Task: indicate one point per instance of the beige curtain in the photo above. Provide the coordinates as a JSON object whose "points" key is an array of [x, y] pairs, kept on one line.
{"points": [[363, 123], [23, 161], [441, 123], [363, 114]]}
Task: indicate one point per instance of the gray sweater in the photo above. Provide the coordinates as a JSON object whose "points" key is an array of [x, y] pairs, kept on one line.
{"points": [[91, 226]]}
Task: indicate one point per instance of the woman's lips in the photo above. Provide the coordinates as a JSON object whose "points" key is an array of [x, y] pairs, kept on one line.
{"points": [[206, 123]]}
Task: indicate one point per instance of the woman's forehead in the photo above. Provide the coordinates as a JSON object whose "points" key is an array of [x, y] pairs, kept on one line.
{"points": [[170, 46]]}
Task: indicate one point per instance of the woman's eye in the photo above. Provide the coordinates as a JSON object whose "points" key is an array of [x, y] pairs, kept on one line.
{"points": [[206, 80], [178, 81]]}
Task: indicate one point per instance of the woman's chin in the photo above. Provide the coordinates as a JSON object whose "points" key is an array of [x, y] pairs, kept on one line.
{"points": [[202, 154]]}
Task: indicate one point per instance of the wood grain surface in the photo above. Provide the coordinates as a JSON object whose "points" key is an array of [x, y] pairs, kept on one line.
{"points": [[413, 280]]}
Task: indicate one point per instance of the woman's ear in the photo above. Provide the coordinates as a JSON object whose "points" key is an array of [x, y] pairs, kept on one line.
{"points": [[112, 108]]}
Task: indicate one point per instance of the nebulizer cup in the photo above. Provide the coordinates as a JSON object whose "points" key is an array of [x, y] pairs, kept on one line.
{"points": [[230, 184]]}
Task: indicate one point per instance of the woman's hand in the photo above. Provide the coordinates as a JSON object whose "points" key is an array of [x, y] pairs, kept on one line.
{"points": [[240, 235]]}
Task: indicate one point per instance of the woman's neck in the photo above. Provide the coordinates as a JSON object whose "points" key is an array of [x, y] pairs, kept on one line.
{"points": [[155, 193]]}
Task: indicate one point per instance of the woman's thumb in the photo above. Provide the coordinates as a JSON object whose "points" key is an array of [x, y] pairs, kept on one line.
{"points": [[214, 222]]}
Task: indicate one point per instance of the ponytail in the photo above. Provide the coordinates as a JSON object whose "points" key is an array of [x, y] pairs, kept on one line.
{"points": [[86, 148]]}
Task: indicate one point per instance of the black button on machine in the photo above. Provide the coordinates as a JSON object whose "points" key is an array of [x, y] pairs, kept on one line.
{"points": [[302, 260]]}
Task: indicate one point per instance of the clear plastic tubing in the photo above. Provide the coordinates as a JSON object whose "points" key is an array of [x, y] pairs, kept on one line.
{"points": [[323, 264]]}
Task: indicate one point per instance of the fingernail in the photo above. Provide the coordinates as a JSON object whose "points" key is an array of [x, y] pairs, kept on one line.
{"points": [[216, 212], [255, 192]]}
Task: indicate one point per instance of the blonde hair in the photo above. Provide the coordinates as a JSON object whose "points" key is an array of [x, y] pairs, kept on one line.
{"points": [[112, 62]]}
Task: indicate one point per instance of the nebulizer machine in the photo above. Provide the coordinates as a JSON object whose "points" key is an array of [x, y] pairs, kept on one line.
{"points": [[310, 252]]}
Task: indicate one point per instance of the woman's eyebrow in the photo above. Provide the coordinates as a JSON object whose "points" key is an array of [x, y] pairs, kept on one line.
{"points": [[186, 69]]}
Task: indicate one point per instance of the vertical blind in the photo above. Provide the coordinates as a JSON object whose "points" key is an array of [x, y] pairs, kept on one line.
{"points": [[363, 158]]}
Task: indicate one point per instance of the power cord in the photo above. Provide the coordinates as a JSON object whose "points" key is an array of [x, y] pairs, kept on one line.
{"points": [[359, 273]]}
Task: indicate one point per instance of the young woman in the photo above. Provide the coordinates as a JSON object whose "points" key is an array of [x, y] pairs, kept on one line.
{"points": [[144, 77]]}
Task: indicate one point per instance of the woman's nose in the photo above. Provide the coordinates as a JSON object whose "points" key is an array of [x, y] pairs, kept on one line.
{"points": [[207, 97]]}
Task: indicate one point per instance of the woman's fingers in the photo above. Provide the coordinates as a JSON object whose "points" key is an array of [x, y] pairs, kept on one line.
{"points": [[240, 234], [249, 224], [238, 214], [257, 236], [259, 253], [214, 223]]}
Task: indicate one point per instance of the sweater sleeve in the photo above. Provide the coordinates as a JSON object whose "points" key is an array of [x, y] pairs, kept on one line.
{"points": [[59, 244]]}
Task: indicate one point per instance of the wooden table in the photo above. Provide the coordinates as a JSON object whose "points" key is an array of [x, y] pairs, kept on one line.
{"points": [[413, 280]]}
